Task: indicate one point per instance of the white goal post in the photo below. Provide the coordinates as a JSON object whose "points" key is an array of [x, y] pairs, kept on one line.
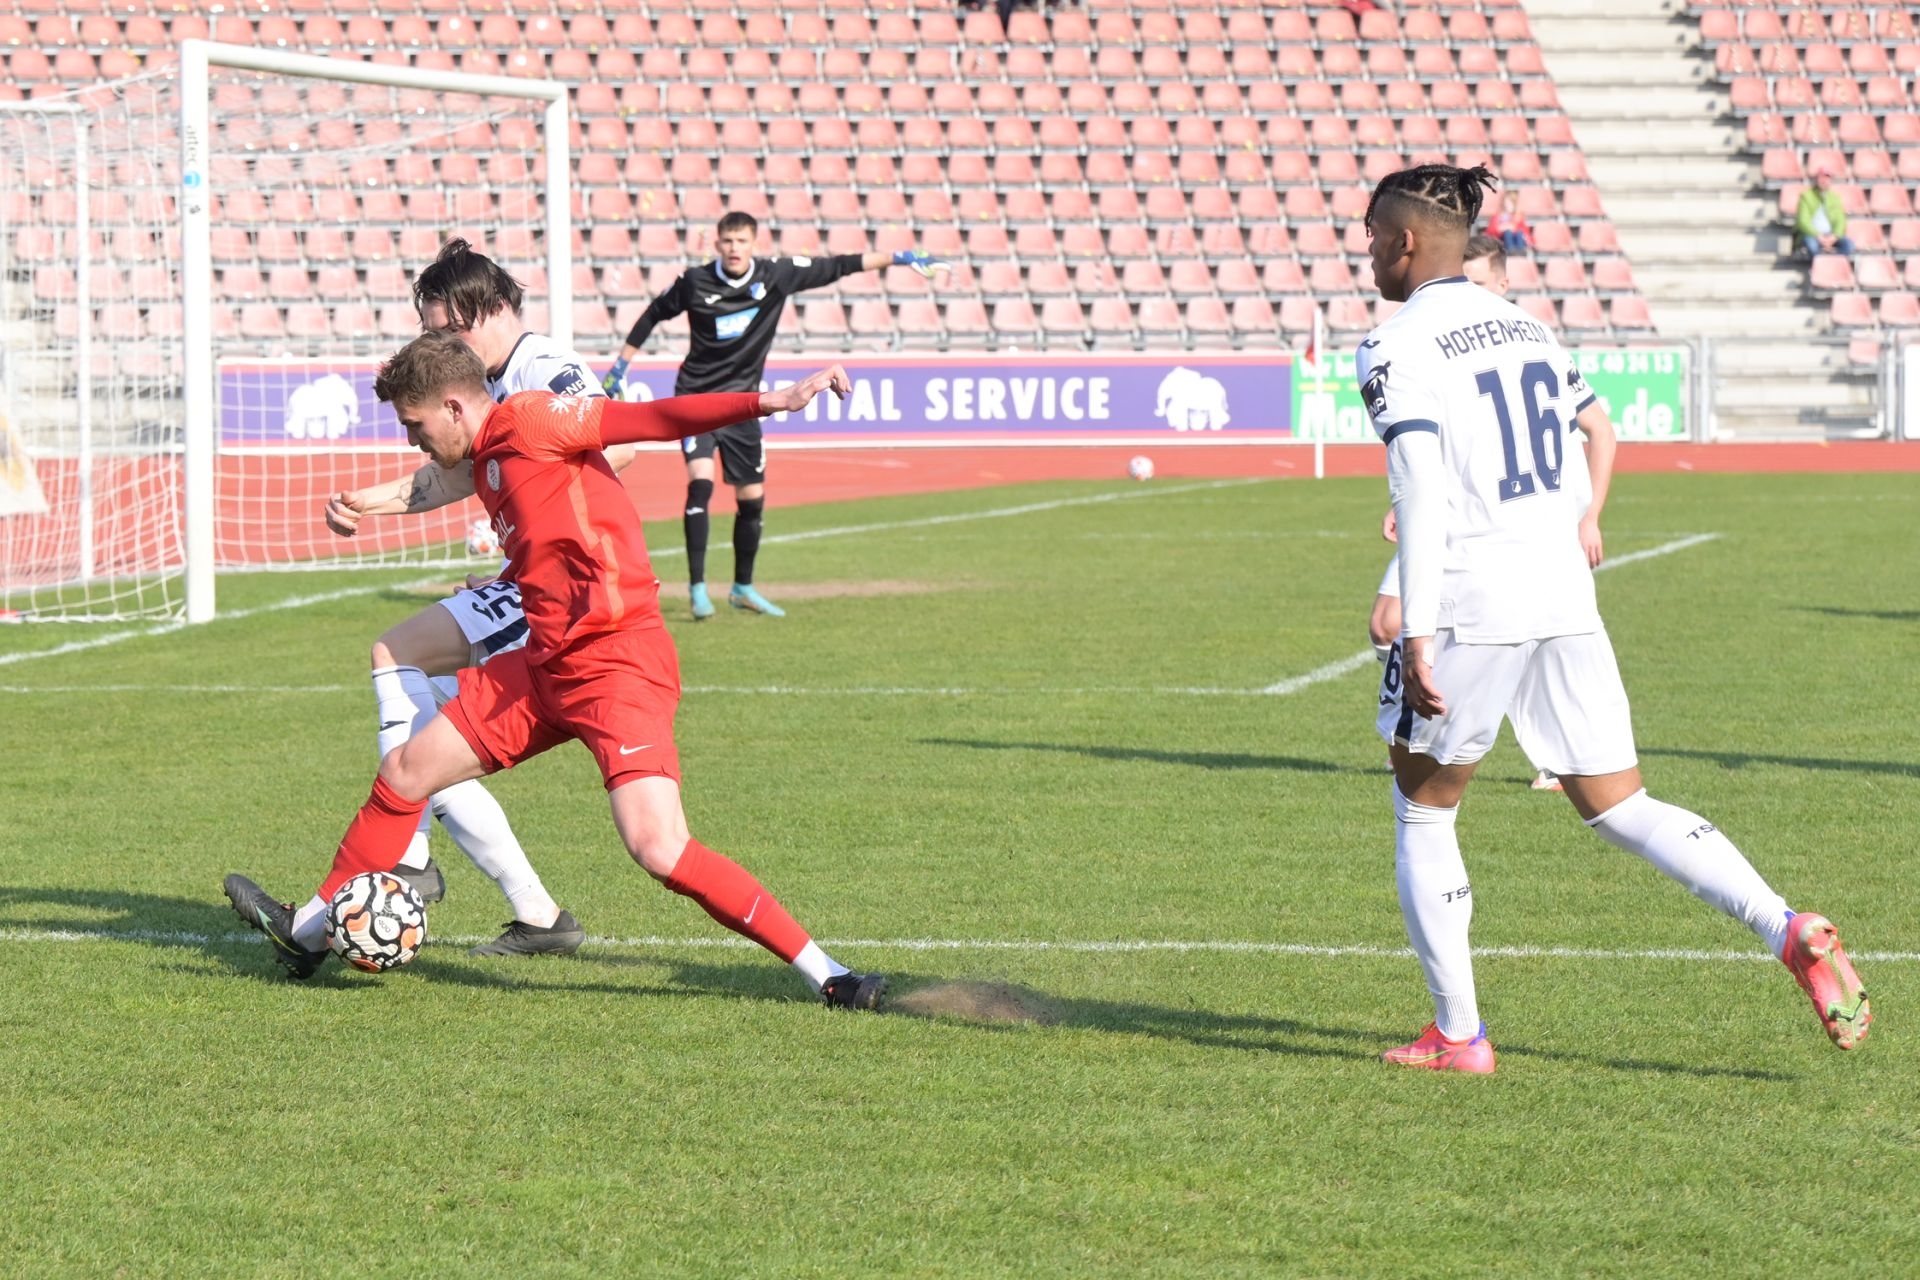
{"points": [[197, 58]]}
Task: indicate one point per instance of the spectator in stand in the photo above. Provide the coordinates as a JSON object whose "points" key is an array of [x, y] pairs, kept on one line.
{"points": [[1507, 226], [1820, 223]]}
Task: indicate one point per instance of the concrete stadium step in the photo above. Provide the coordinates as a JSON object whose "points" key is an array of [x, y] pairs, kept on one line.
{"points": [[1718, 284], [1608, 10], [1753, 397], [1690, 318], [1629, 136], [1766, 361], [1695, 174], [1710, 214], [1686, 247], [1608, 34], [1659, 69], [1647, 103]]}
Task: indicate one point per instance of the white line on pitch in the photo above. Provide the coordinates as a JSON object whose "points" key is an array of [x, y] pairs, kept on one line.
{"points": [[1118, 946], [996, 513], [1354, 661], [168, 628], [1664, 549], [1319, 675]]}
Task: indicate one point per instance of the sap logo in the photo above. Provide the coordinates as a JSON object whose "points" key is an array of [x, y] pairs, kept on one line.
{"points": [[1191, 401], [324, 409], [570, 381], [727, 328], [1375, 390]]}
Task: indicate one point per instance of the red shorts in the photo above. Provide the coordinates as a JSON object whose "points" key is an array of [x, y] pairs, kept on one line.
{"points": [[616, 693]]}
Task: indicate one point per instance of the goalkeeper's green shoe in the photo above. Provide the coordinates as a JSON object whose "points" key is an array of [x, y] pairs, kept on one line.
{"points": [[702, 606], [262, 911], [745, 597]]}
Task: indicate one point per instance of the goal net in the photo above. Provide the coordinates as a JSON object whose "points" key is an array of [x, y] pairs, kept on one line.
{"points": [[185, 397]]}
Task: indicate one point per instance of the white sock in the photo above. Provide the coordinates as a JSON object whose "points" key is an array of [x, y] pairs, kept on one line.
{"points": [[478, 825], [1437, 905], [1692, 850], [405, 696], [310, 924], [816, 966]]}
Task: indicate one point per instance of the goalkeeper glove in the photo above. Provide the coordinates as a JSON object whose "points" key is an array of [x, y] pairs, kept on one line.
{"points": [[615, 383], [920, 260]]}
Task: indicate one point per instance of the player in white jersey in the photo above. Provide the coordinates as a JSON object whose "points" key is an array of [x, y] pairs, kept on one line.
{"points": [[1471, 395], [468, 295], [1485, 264]]}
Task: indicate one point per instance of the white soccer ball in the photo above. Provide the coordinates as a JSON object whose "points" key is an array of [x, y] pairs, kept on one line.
{"points": [[1140, 468], [481, 542], [376, 922]]}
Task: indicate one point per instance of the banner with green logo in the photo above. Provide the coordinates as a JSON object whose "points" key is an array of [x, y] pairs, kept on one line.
{"points": [[1644, 390]]}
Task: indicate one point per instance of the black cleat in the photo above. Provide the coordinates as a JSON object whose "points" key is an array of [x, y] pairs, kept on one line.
{"points": [[561, 938], [426, 881], [275, 919], [854, 991]]}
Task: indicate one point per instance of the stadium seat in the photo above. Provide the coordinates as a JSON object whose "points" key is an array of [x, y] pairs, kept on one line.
{"points": [[1219, 154], [1900, 310]]}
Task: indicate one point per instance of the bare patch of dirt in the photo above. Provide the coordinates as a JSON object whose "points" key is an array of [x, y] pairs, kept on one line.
{"points": [[1003, 1002]]}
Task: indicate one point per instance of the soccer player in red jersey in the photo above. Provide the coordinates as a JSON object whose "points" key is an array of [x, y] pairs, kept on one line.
{"points": [[598, 666]]}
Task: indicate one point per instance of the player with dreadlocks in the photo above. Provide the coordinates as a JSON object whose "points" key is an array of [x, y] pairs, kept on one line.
{"points": [[1471, 397], [1587, 471]]}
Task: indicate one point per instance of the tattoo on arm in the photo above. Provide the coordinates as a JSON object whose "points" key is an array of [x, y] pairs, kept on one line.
{"points": [[426, 484]]}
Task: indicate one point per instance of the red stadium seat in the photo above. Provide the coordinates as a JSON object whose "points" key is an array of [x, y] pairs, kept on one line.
{"points": [[1872, 273], [1851, 311], [1900, 310], [1629, 314], [1582, 313]]}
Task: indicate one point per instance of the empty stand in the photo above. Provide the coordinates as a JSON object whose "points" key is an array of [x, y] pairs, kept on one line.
{"points": [[1122, 174]]}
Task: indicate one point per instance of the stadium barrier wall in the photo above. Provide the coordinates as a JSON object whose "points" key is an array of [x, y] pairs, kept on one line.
{"points": [[907, 401]]}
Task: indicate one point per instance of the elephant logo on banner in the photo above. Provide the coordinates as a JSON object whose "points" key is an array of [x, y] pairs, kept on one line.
{"points": [[324, 409], [1191, 401]]}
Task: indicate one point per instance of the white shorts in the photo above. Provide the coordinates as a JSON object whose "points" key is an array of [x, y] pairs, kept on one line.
{"points": [[490, 618], [1390, 580], [1563, 695]]}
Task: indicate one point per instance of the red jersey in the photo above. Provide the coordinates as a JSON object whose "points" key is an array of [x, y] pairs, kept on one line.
{"points": [[570, 533]]}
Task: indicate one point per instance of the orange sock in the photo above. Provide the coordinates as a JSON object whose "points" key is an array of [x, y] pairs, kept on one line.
{"points": [[728, 892], [376, 839]]}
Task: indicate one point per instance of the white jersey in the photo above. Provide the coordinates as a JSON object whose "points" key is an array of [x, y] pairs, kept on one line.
{"points": [[1497, 389], [538, 363]]}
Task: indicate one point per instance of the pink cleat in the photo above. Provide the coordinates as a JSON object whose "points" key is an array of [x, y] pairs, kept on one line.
{"points": [[1823, 971], [1547, 781], [1437, 1053]]}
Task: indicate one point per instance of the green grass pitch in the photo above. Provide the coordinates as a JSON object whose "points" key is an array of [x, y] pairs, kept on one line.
{"points": [[1045, 729]]}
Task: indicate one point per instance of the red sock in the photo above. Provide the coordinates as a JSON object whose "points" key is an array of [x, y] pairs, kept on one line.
{"points": [[728, 892], [377, 837]]}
